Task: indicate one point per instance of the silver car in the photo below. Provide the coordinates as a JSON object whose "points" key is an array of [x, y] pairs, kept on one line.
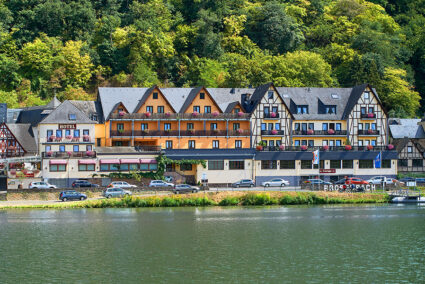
{"points": [[275, 182], [121, 184], [41, 184], [160, 183], [115, 192], [182, 188]]}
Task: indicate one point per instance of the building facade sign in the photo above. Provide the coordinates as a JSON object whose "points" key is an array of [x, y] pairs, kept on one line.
{"points": [[327, 171], [67, 126]]}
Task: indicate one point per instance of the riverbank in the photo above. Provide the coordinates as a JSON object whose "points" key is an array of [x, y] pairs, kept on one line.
{"points": [[237, 198]]}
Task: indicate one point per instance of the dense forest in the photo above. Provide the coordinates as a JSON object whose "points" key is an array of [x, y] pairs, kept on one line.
{"points": [[68, 48]]}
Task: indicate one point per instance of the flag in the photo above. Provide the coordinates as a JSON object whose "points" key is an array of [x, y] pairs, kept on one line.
{"points": [[378, 161], [316, 157]]}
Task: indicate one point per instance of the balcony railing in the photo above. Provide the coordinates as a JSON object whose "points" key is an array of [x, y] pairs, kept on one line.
{"points": [[271, 115], [147, 148], [168, 133], [183, 116], [272, 132], [319, 132], [322, 148], [368, 132], [67, 140], [368, 115], [61, 154]]}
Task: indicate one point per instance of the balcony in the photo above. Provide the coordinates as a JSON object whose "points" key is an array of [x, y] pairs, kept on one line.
{"points": [[54, 139], [319, 132], [120, 133], [147, 148], [175, 133], [60, 154], [368, 132], [272, 132], [272, 115], [369, 115], [181, 116], [322, 148]]}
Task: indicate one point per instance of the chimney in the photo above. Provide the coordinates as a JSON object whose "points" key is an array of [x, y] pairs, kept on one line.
{"points": [[232, 90]]}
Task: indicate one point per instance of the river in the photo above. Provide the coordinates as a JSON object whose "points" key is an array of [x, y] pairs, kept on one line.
{"points": [[320, 244]]}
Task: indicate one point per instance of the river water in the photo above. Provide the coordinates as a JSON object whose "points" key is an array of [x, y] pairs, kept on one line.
{"points": [[320, 244]]}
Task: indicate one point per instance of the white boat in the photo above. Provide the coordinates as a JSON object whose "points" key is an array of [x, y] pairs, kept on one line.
{"points": [[408, 199]]}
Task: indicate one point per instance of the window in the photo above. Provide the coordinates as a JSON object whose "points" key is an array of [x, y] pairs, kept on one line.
{"points": [[321, 164], [57, 168], [207, 109], [363, 110], [160, 109], [155, 96], [67, 132], [386, 164], [236, 126], [311, 126], [324, 126], [297, 127], [306, 164], [268, 165], [238, 144], [202, 96], [373, 142], [216, 165], [94, 117], [271, 143], [373, 126], [335, 164], [324, 142], [89, 148], [167, 126], [277, 126], [144, 126], [149, 109], [189, 126], [49, 133], [169, 144], [48, 148], [191, 144], [338, 126], [61, 148], [72, 116], [417, 163], [360, 142], [371, 109], [366, 95], [86, 132], [275, 109], [76, 133], [98, 142], [338, 143], [310, 143], [331, 143], [402, 163], [263, 126], [360, 126], [347, 164], [109, 167], [409, 149], [120, 126], [58, 133], [76, 148], [290, 164], [304, 126], [236, 165], [186, 167], [270, 95], [214, 126], [297, 143], [366, 164], [266, 111], [270, 126], [302, 109], [216, 144], [366, 126], [197, 109], [330, 109], [86, 168], [236, 110]]}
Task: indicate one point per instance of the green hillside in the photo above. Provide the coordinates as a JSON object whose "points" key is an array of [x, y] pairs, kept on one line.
{"points": [[69, 48]]}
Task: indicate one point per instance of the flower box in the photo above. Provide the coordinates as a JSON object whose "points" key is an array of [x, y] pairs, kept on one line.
{"points": [[58, 139], [49, 153], [310, 131], [281, 147], [348, 147], [167, 114], [13, 172], [303, 147], [121, 113], [326, 147], [69, 153], [68, 136], [240, 114], [259, 147], [274, 132], [390, 146], [239, 131], [148, 114], [370, 131], [215, 114], [89, 153], [195, 114], [331, 131], [369, 147], [370, 115], [52, 138], [273, 114]]}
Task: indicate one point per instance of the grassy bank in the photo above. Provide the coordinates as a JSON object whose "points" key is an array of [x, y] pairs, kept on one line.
{"points": [[224, 199]]}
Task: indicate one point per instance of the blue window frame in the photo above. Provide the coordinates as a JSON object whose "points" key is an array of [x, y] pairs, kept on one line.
{"points": [[67, 132], [76, 133], [76, 148], [58, 133], [263, 126], [277, 126], [61, 148]]}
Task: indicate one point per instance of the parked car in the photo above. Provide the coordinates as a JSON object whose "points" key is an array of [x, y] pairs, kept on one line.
{"points": [[160, 183], [317, 181], [341, 181], [354, 180], [41, 185], [380, 180], [72, 195], [275, 182], [83, 183], [182, 188], [115, 192], [121, 184], [420, 180], [407, 179], [244, 183]]}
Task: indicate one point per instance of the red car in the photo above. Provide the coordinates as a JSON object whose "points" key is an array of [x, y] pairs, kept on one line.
{"points": [[354, 180]]}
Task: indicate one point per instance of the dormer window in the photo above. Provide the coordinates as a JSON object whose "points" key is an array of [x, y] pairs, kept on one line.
{"points": [[302, 109], [202, 96], [270, 95], [72, 116], [330, 109], [155, 96], [366, 95], [94, 117], [236, 110]]}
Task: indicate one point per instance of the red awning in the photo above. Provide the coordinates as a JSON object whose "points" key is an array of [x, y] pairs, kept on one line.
{"points": [[147, 161], [58, 162], [110, 161], [130, 161], [87, 162]]}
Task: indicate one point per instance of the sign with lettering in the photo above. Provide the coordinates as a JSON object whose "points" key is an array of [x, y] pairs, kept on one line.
{"points": [[327, 171], [67, 126], [337, 187]]}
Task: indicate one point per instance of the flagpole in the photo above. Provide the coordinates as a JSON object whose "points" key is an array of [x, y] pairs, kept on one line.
{"points": [[380, 166]]}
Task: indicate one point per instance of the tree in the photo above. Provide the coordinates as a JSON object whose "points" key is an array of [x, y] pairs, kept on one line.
{"points": [[77, 65]]}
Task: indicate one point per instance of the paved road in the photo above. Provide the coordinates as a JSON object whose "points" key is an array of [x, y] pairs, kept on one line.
{"points": [[258, 188]]}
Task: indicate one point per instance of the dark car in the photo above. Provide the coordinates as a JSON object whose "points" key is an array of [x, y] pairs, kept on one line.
{"points": [[244, 183], [420, 180], [341, 181], [72, 195], [407, 179], [183, 188], [83, 183]]}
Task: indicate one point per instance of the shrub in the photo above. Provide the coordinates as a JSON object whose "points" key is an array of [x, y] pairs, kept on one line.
{"points": [[229, 201]]}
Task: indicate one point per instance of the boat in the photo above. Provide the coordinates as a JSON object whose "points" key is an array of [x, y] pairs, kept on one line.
{"points": [[408, 199]]}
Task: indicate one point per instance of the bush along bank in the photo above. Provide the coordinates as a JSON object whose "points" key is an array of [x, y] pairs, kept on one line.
{"points": [[224, 199]]}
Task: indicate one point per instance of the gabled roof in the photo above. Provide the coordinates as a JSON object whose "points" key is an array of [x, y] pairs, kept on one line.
{"points": [[400, 144], [146, 96], [258, 95], [54, 103], [89, 108], [232, 105], [356, 93], [23, 132], [400, 128], [61, 114]]}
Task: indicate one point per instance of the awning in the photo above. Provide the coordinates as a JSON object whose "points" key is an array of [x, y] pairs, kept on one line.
{"points": [[110, 161], [130, 161], [87, 162], [148, 161], [58, 162]]}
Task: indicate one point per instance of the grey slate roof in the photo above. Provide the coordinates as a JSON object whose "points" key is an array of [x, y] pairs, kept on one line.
{"points": [[89, 108], [406, 128], [25, 135], [3, 112], [35, 114], [226, 98], [61, 114]]}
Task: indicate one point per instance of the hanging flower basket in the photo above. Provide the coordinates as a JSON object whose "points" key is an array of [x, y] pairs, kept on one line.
{"points": [[369, 147], [390, 146], [121, 113], [240, 114], [195, 114], [370, 115], [215, 114], [281, 147], [259, 148], [148, 114], [273, 115], [310, 131], [274, 132], [331, 131], [304, 147], [326, 147], [348, 147], [68, 136]]}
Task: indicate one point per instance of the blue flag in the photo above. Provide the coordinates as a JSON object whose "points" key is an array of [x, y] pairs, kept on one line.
{"points": [[378, 161]]}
